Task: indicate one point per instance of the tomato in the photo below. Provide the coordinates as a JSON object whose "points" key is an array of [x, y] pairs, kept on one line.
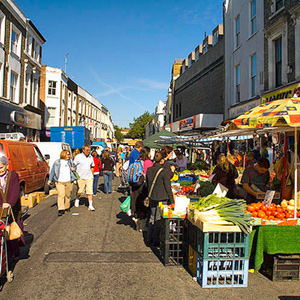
{"points": [[264, 208], [272, 207], [275, 213], [268, 213], [280, 216], [271, 218], [251, 208], [279, 210], [254, 214], [259, 204], [261, 214], [298, 214], [289, 216]]}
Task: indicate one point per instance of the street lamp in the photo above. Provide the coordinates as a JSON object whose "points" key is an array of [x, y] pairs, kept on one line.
{"points": [[66, 61]]}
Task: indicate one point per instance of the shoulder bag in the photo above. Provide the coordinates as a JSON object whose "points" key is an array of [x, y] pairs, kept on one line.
{"points": [[147, 200], [13, 230]]}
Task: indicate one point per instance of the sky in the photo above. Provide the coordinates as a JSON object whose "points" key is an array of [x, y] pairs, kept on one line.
{"points": [[122, 52]]}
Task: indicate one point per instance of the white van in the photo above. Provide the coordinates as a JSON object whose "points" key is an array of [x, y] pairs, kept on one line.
{"points": [[51, 150]]}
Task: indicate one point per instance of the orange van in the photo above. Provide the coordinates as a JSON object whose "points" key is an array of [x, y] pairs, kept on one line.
{"points": [[27, 160]]}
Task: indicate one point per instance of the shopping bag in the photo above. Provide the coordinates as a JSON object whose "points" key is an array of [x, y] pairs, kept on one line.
{"points": [[13, 230], [125, 206]]}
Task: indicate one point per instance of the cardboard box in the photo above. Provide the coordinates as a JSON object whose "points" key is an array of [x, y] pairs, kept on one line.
{"points": [[40, 197], [53, 192], [29, 200]]}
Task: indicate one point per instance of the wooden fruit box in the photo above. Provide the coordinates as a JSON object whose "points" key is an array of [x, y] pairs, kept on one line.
{"points": [[40, 196], [29, 200]]}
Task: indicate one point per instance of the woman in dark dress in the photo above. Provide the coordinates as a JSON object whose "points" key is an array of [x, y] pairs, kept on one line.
{"points": [[10, 197], [225, 173]]}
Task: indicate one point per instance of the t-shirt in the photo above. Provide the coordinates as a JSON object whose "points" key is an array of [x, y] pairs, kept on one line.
{"points": [[134, 155], [64, 171], [83, 165], [255, 180]]}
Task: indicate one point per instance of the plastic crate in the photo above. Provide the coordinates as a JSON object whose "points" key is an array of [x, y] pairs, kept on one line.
{"points": [[222, 273], [192, 261], [192, 235], [223, 245], [281, 267], [173, 248]]}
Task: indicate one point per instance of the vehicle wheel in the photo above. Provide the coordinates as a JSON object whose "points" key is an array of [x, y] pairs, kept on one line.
{"points": [[46, 186], [22, 190], [10, 276]]}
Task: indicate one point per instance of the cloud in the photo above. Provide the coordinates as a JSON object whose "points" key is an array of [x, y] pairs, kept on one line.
{"points": [[153, 84]]}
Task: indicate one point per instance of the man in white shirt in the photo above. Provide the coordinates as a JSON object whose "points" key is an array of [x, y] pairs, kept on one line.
{"points": [[85, 168]]}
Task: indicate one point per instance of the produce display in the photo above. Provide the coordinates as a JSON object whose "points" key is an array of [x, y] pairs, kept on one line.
{"points": [[221, 211], [205, 188], [167, 211]]}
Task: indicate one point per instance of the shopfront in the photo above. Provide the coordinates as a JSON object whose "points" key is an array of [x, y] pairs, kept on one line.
{"points": [[14, 118]]}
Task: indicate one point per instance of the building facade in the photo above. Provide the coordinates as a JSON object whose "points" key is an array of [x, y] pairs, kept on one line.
{"points": [[68, 104], [281, 44], [244, 55], [20, 68], [198, 93]]}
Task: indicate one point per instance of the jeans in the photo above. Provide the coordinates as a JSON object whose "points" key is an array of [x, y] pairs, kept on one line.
{"points": [[108, 175], [95, 183]]}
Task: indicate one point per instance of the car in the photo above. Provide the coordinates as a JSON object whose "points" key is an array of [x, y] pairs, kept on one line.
{"points": [[28, 162]]}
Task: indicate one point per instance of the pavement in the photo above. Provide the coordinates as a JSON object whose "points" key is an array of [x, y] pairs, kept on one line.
{"points": [[98, 255]]}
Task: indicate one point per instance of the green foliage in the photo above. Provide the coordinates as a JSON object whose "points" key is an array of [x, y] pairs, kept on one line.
{"points": [[138, 127], [119, 136]]}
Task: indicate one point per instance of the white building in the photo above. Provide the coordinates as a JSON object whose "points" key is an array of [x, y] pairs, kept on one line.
{"points": [[244, 55], [68, 104], [159, 115]]}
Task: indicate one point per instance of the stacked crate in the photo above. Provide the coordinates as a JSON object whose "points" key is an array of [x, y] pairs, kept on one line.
{"points": [[222, 258], [172, 245]]}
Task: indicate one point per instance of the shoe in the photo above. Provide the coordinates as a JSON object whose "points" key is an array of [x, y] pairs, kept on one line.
{"points": [[128, 213], [95, 195], [91, 208], [61, 212], [68, 210], [76, 204]]}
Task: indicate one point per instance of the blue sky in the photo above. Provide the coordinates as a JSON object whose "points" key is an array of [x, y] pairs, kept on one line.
{"points": [[122, 51]]}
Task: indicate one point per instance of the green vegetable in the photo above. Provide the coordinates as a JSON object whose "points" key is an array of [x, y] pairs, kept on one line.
{"points": [[206, 188]]}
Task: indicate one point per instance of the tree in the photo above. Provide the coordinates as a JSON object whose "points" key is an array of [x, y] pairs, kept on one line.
{"points": [[138, 127], [118, 134]]}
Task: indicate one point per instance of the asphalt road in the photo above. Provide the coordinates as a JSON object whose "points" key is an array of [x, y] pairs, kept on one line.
{"points": [[98, 255]]}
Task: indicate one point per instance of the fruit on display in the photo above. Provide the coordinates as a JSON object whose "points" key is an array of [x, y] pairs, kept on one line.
{"points": [[274, 212], [175, 177]]}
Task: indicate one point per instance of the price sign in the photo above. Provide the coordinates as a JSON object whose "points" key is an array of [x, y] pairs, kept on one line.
{"points": [[269, 198]]}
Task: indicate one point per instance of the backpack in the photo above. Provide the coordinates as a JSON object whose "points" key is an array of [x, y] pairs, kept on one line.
{"points": [[135, 171]]}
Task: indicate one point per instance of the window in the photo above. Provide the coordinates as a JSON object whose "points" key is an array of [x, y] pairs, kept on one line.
{"points": [[35, 93], [32, 47], [13, 86], [197, 55], [2, 27], [28, 43], [52, 87], [14, 47], [253, 24], [176, 110], [237, 32], [37, 51], [26, 88], [253, 75], [205, 47], [51, 112], [180, 109], [237, 83], [215, 37], [278, 4], [278, 62]]}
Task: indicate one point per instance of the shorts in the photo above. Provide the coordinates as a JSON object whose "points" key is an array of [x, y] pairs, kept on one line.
{"points": [[85, 185]]}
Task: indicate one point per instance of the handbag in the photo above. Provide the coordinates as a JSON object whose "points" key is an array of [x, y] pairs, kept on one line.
{"points": [[147, 200], [13, 230]]}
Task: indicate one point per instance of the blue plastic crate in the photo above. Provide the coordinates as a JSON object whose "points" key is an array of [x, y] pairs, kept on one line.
{"points": [[223, 245], [212, 273]]}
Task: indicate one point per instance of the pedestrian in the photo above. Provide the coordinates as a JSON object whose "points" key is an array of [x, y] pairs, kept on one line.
{"points": [[75, 152], [97, 168], [225, 173], [135, 153], [167, 151], [10, 197], [62, 173], [119, 162], [84, 163], [161, 192], [107, 166]]}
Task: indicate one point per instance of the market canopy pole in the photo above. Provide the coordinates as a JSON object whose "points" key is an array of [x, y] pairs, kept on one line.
{"points": [[296, 172]]}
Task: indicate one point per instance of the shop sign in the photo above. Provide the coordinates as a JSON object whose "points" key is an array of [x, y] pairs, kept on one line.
{"points": [[241, 109], [19, 118], [286, 92], [187, 124]]}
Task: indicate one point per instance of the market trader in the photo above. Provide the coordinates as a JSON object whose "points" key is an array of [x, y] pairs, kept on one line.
{"points": [[135, 153], [255, 179]]}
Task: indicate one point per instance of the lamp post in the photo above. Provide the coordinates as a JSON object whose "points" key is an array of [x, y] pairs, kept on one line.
{"points": [[66, 61]]}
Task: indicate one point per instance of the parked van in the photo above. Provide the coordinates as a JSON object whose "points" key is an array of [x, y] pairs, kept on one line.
{"points": [[51, 151], [27, 160]]}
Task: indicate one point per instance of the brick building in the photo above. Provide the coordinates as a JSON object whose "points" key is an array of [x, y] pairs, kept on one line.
{"points": [[281, 45], [198, 97], [20, 66]]}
